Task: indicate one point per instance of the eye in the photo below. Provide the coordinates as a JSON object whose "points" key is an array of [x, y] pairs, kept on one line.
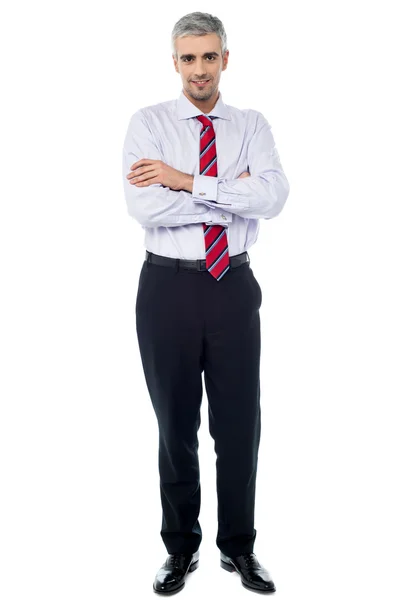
{"points": [[189, 59]]}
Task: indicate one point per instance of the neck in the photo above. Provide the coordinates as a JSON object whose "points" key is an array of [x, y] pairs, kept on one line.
{"points": [[204, 105]]}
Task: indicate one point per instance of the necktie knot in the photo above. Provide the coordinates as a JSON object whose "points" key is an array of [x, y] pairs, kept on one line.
{"points": [[206, 121]]}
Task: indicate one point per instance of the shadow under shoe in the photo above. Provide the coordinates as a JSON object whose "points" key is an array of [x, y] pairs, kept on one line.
{"points": [[171, 577], [253, 575]]}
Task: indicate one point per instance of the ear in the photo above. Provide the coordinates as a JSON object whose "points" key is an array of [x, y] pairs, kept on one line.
{"points": [[225, 60]]}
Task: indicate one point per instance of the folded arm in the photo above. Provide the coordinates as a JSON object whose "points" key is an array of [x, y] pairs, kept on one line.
{"points": [[260, 196], [155, 205]]}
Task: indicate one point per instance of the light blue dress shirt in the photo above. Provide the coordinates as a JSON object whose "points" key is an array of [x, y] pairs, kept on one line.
{"points": [[172, 219]]}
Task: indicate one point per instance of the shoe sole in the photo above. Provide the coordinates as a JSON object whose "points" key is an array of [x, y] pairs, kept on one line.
{"points": [[191, 568], [230, 568]]}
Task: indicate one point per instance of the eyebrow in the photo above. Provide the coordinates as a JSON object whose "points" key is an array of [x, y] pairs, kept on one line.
{"points": [[205, 54]]}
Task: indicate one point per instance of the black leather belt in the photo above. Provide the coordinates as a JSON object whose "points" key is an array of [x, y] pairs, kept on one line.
{"points": [[195, 265]]}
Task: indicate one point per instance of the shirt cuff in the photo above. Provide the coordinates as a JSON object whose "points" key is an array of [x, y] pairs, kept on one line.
{"points": [[205, 188], [219, 217]]}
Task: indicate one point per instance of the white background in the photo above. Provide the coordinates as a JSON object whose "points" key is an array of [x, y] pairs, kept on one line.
{"points": [[80, 509]]}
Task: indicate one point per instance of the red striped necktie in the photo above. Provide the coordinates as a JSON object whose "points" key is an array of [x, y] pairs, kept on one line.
{"points": [[216, 247]]}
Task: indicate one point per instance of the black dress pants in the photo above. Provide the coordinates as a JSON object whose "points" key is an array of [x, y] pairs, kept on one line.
{"points": [[187, 323]]}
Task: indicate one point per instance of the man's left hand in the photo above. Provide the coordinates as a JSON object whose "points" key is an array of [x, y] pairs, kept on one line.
{"points": [[147, 171]]}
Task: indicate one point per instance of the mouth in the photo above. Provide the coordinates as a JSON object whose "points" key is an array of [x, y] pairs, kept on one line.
{"points": [[201, 83]]}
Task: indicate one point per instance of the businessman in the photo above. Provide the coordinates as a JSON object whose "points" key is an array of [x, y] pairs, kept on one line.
{"points": [[198, 176]]}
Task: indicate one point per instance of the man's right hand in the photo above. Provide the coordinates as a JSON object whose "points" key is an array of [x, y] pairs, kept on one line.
{"points": [[245, 174]]}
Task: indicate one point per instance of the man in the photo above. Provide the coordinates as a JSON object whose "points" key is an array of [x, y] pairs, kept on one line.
{"points": [[198, 300]]}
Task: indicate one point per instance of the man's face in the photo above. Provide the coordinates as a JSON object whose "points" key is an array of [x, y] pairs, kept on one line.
{"points": [[200, 58]]}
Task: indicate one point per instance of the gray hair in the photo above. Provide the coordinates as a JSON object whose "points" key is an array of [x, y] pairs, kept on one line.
{"points": [[198, 23]]}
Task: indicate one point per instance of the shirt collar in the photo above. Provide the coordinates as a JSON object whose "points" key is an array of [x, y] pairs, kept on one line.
{"points": [[187, 110]]}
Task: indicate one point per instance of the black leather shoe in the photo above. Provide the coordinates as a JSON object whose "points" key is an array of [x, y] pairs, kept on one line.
{"points": [[172, 575], [253, 575]]}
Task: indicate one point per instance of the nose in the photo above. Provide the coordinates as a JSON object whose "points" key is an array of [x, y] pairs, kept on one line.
{"points": [[200, 64]]}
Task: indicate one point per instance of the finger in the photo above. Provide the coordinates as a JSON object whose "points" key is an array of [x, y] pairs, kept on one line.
{"points": [[148, 181], [142, 178], [134, 173], [137, 164], [142, 161], [140, 172]]}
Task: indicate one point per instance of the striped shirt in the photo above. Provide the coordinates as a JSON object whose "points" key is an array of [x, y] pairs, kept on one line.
{"points": [[172, 219]]}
